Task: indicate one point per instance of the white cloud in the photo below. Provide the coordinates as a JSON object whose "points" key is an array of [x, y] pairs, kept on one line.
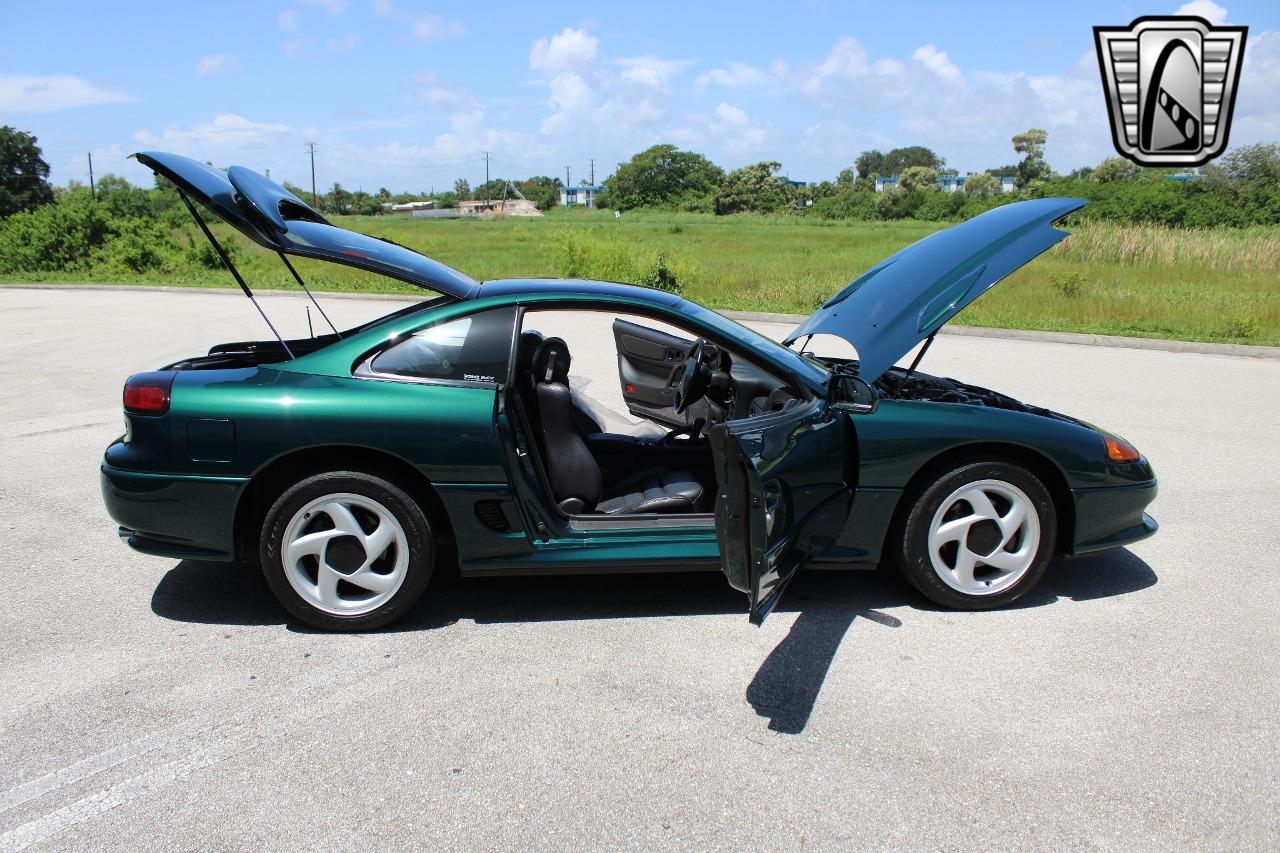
{"points": [[1257, 113], [735, 75], [740, 136], [935, 60], [216, 63], [343, 44], [651, 71], [426, 26], [567, 49], [730, 115], [221, 140], [27, 93], [571, 101], [847, 59], [333, 7], [1207, 9], [289, 20]]}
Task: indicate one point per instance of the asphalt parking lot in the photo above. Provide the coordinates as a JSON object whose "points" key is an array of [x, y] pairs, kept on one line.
{"points": [[1132, 701]]}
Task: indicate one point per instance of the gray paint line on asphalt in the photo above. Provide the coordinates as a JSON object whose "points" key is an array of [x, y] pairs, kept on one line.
{"points": [[256, 724], [1077, 338]]}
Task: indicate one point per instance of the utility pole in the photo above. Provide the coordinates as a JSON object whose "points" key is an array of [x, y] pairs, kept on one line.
{"points": [[93, 191], [593, 171], [487, 155], [566, 177], [311, 146]]}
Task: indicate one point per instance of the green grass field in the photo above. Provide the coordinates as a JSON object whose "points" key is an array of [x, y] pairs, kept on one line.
{"points": [[1212, 285]]}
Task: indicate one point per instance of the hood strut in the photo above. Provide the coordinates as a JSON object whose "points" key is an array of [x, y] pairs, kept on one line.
{"points": [[915, 362], [226, 261]]}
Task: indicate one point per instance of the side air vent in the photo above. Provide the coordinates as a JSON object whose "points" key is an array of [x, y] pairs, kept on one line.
{"points": [[492, 516]]}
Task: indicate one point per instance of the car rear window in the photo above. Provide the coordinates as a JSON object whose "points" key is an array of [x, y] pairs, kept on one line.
{"points": [[474, 348]]}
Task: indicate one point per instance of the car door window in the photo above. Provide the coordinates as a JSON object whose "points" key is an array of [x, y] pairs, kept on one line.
{"points": [[467, 349]]}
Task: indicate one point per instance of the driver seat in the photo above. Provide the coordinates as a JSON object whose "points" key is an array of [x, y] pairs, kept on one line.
{"points": [[575, 477]]}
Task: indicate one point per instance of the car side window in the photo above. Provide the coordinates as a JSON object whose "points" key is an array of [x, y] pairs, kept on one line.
{"points": [[474, 348]]}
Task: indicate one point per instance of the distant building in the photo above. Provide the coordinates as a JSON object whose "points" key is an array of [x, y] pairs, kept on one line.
{"points": [[948, 183], [585, 196], [796, 184], [409, 206]]}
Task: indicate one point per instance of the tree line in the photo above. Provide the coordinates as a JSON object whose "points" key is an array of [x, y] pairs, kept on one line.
{"points": [[1240, 189], [115, 225]]}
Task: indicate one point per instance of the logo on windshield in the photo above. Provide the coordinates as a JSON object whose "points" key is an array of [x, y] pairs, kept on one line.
{"points": [[1171, 86]]}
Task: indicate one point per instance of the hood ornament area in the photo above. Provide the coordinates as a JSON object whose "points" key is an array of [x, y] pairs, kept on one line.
{"points": [[1171, 86]]}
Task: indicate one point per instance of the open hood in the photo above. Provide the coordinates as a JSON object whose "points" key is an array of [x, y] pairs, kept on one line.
{"points": [[907, 297], [276, 219]]}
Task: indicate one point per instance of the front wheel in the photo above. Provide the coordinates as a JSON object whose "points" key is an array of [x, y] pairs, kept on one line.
{"points": [[979, 536], [347, 551]]}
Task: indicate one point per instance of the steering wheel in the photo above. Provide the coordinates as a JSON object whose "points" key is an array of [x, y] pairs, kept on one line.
{"points": [[688, 380]]}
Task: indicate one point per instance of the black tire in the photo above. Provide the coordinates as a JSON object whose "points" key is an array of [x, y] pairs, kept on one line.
{"points": [[405, 511], [909, 546]]}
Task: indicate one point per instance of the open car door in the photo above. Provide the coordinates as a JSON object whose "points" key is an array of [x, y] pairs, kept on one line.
{"points": [[785, 486], [645, 360]]}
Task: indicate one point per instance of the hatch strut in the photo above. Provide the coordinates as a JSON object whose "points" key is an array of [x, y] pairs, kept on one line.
{"points": [[916, 361], [298, 279], [234, 272]]}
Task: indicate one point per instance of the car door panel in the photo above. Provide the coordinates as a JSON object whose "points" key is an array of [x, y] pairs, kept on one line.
{"points": [[785, 488], [645, 359]]}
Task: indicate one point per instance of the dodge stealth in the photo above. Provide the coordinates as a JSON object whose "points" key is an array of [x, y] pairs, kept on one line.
{"points": [[348, 463]]}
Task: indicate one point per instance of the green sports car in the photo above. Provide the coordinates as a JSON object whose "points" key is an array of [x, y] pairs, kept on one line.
{"points": [[346, 462]]}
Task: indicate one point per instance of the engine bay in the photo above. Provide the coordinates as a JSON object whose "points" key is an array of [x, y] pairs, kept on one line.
{"points": [[901, 384]]}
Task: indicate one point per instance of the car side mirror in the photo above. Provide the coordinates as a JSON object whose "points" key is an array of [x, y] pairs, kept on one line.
{"points": [[851, 394]]}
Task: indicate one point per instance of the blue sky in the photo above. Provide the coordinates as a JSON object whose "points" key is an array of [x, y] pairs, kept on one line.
{"points": [[407, 95]]}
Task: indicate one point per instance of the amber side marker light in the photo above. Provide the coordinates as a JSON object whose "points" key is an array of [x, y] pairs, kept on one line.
{"points": [[1119, 450]]}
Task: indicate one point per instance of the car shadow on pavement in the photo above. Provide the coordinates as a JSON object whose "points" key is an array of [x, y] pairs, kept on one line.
{"points": [[784, 688]]}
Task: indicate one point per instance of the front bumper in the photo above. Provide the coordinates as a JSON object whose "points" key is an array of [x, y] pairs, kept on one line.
{"points": [[170, 515], [1112, 516]]}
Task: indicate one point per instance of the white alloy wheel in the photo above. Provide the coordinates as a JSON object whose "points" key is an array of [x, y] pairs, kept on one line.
{"points": [[984, 537], [345, 554]]}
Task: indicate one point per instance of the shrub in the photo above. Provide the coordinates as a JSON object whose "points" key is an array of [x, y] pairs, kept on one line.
{"points": [[54, 237], [137, 246], [596, 254], [1070, 284], [660, 276], [200, 253], [570, 252], [1241, 327]]}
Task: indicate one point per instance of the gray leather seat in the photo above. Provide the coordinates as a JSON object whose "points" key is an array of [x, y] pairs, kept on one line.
{"points": [[575, 476]]}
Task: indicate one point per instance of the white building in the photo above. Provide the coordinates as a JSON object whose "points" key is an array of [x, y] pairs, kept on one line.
{"points": [[585, 195], [949, 183]]}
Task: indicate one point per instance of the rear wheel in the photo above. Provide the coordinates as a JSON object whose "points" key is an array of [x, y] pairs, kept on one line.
{"points": [[347, 551], [979, 536]]}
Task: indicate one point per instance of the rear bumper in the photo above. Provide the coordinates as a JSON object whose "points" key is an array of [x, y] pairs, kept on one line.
{"points": [[1112, 516], [168, 515]]}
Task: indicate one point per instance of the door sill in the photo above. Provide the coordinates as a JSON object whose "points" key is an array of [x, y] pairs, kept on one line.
{"points": [[649, 521]]}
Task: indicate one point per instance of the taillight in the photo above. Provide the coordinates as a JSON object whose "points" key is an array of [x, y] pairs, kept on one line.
{"points": [[1119, 450], [148, 393]]}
